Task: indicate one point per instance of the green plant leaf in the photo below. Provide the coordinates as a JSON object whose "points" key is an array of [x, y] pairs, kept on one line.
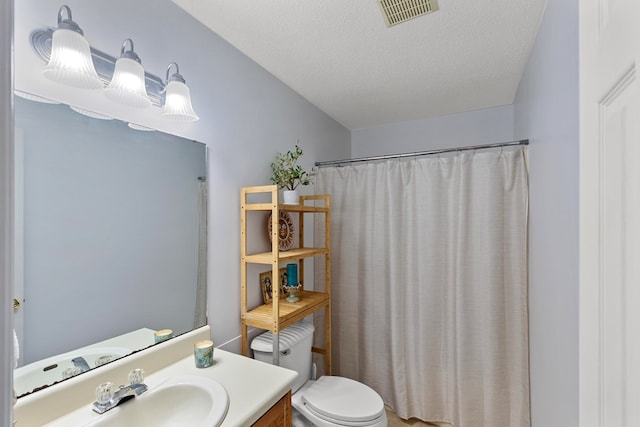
{"points": [[287, 173]]}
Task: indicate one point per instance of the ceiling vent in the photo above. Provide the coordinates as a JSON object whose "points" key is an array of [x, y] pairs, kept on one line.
{"points": [[399, 11]]}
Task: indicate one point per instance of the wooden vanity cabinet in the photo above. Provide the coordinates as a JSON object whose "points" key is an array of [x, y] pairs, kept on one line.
{"points": [[279, 415]]}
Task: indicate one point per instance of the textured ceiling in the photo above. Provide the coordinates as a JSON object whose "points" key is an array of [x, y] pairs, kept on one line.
{"points": [[340, 55]]}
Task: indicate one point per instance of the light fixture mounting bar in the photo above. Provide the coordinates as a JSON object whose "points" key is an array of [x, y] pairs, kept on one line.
{"points": [[103, 62]]}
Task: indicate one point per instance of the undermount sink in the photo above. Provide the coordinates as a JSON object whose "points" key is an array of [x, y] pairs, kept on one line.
{"points": [[185, 400]]}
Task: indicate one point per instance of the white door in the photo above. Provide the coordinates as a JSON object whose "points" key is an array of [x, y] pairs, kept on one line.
{"points": [[609, 213]]}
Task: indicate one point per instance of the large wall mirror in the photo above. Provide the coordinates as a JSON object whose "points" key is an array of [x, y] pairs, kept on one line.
{"points": [[110, 240]]}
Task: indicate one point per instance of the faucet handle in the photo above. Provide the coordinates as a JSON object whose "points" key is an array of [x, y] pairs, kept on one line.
{"points": [[71, 372], [102, 360], [136, 376], [105, 392]]}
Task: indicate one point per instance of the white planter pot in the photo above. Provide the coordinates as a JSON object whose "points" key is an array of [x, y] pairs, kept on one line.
{"points": [[291, 197]]}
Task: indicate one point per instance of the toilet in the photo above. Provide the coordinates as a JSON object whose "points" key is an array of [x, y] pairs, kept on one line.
{"points": [[330, 401]]}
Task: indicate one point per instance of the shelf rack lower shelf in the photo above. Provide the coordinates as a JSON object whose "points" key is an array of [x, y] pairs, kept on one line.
{"points": [[290, 312], [284, 256]]}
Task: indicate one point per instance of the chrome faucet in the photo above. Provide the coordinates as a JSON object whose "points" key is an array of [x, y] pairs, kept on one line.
{"points": [[81, 363], [108, 396]]}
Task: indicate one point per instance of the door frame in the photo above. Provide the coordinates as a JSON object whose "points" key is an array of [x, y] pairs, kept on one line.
{"points": [[6, 210], [598, 67]]}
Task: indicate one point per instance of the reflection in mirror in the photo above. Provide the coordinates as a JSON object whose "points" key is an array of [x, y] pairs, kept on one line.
{"points": [[110, 239]]}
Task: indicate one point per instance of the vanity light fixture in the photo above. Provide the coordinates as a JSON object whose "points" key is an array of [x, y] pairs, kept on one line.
{"points": [[172, 94], [177, 101], [136, 126], [127, 84], [70, 61], [90, 113], [32, 97]]}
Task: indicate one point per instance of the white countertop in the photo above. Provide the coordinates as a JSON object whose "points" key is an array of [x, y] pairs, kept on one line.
{"points": [[31, 376], [252, 386]]}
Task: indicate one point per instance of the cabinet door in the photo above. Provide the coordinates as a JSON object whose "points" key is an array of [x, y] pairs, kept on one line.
{"points": [[279, 415]]}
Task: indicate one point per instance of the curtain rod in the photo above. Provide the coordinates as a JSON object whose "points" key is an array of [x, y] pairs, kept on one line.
{"points": [[422, 153]]}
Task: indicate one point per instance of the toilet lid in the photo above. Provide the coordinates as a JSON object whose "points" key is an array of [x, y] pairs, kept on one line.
{"points": [[343, 399]]}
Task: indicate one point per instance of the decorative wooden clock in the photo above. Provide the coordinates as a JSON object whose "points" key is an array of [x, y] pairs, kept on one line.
{"points": [[285, 230]]}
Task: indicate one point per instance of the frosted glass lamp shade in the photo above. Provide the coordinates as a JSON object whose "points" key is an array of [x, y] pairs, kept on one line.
{"points": [[177, 104], [71, 62], [127, 85], [90, 113]]}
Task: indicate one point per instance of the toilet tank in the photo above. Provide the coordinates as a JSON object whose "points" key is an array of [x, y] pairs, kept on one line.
{"points": [[295, 350]]}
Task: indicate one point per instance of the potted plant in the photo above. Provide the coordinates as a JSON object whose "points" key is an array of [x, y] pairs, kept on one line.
{"points": [[288, 174]]}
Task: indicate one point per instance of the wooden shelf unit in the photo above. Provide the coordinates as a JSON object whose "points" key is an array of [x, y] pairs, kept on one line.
{"points": [[280, 313]]}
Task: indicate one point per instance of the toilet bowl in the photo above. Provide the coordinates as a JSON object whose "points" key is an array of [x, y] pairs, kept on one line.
{"points": [[336, 401], [330, 401]]}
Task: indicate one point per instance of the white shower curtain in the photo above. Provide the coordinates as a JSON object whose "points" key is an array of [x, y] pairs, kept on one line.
{"points": [[200, 312], [429, 286]]}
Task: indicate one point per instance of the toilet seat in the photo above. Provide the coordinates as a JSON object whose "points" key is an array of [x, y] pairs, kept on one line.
{"points": [[341, 402], [341, 423]]}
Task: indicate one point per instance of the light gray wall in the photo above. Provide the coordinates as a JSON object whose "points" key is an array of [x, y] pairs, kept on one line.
{"points": [[111, 228], [546, 111], [455, 130], [247, 115]]}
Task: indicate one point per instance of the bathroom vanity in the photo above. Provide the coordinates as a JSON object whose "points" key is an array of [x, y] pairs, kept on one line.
{"points": [[46, 372], [258, 393], [278, 415]]}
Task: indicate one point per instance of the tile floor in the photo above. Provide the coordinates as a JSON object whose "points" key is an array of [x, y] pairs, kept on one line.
{"points": [[395, 421]]}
